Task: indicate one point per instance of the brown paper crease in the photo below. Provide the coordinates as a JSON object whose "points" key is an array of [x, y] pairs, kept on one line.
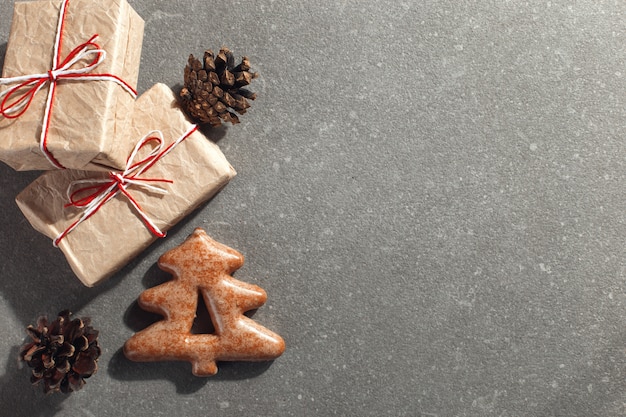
{"points": [[115, 234], [87, 116]]}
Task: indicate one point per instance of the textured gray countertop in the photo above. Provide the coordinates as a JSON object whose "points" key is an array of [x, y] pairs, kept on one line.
{"points": [[431, 193]]}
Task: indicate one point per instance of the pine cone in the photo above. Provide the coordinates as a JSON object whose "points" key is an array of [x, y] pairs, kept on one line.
{"points": [[213, 88], [62, 353]]}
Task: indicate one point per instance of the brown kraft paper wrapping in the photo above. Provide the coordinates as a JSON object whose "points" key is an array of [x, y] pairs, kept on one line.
{"points": [[115, 234], [86, 114]]}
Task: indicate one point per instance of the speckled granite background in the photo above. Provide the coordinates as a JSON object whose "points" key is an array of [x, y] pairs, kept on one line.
{"points": [[431, 193]]}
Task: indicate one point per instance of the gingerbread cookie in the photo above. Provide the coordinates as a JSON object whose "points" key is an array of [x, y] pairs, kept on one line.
{"points": [[200, 264]]}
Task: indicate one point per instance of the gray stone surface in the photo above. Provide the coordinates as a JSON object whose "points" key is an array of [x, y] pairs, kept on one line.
{"points": [[431, 192]]}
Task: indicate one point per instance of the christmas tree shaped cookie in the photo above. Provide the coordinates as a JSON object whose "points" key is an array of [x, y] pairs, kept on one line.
{"points": [[201, 265]]}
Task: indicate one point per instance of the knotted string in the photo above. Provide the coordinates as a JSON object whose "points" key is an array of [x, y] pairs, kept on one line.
{"points": [[17, 99], [92, 197]]}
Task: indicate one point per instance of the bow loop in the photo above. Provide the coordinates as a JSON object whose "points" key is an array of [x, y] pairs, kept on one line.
{"points": [[17, 99], [91, 194]]}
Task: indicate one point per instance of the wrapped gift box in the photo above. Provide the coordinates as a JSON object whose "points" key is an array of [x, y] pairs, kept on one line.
{"points": [[87, 111], [117, 231]]}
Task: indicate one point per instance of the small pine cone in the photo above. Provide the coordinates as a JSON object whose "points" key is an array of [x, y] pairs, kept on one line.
{"points": [[213, 88], [62, 353]]}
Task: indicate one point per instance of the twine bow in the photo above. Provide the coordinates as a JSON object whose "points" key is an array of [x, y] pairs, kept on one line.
{"points": [[92, 197], [17, 99]]}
